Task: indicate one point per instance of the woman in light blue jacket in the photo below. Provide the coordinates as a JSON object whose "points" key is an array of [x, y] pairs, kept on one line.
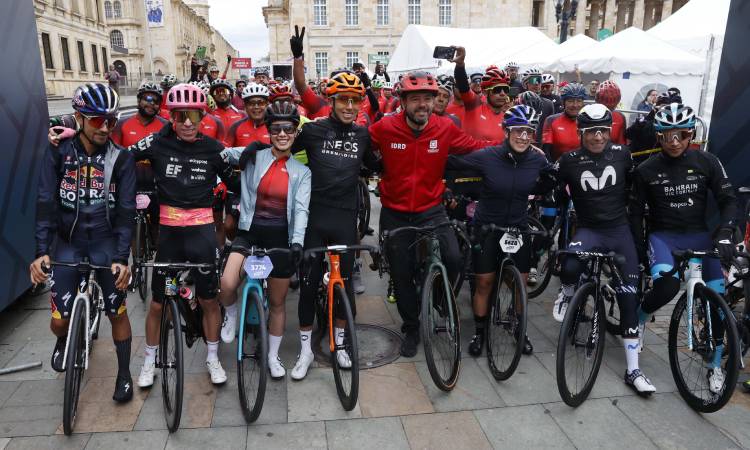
{"points": [[273, 213]]}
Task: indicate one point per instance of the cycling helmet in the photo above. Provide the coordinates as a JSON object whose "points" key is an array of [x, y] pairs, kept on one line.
{"points": [[548, 79], [213, 68], [96, 99], [573, 90], [512, 65], [594, 115], [665, 98], [168, 81], [221, 83], [418, 81], [446, 82], [494, 77], [237, 83], [521, 115], [531, 99], [255, 90], [530, 72], [148, 86], [278, 90], [377, 84], [281, 110], [608, 94], [186, 96], [202, 85], [388, 85], [345, 82], [674, 115]]}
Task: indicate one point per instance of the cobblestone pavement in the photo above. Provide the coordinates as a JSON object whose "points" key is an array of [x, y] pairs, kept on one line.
{"points": [[399, 407]]}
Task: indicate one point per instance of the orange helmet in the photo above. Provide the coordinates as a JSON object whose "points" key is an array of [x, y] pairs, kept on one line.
{"points": [[345, 82], [279, 90], [608, 94], [494, 77]]}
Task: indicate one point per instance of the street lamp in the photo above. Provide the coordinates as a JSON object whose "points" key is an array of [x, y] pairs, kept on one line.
{"points": [[565, 11]]}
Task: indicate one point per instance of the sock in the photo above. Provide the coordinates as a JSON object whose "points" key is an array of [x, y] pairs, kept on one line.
{"points": [[274, 342], [631, 353], [231, 310], [304, 337], [338, 334], [568, 290], [123, 356], [213, 351], [479, 323], [717, 356], [150, 354]]}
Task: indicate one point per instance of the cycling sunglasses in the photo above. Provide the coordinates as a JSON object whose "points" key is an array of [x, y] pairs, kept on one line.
{"points": [[151, 98], [194, 115], [98, 121], [275, 129], [256, 103], [347, 100], [522, 131], [596, 130], [221, 90], [679, 134], [534, 80], [500, 89]]}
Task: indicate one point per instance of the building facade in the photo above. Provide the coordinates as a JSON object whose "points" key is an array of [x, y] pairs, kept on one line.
{"points": [[340, 32]]}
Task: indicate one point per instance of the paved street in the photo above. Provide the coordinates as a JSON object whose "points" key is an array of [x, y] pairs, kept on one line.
{"points": [[399, 407]]}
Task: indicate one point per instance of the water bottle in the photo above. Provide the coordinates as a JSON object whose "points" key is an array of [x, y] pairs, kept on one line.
{"points": [[187, 294], [171, 287]]}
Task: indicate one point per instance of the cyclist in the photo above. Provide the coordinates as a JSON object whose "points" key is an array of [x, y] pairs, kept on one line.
{"points": [[534, 101], [166, 84], [532, 81], [512, 70], [222, 92], [86, 203], [510, 173], [251, 128], [675, 185], [237, 100], [186, 164], [608, 94], [641, 133], [560, 132], [548, 92], [414, 145], [391, 101], [273, 214], [598, 176], [210, 126], [444, 97], [475, 84], [261, 76]]}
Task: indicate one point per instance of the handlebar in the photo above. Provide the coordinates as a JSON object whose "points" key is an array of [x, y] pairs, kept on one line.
{"points": [[179, 266], [611, 256], [339, 249], [82, 266], [257, 251], [425, 229]]}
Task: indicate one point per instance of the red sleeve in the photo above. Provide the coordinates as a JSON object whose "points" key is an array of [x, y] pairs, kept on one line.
{"points": [[618, 137], [116, 134], [471, 100], [462, 143], [311, 101], [547, 137], [374, 130], [229, 138], [220, 130]]}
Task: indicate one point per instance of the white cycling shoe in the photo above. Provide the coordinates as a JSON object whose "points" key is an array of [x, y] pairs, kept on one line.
{"points": [[561, 306], [716, 380], [304, 360], [639, 382], [343, 359], [218, 376], [276, 368], [228, 328], [146, 378]]}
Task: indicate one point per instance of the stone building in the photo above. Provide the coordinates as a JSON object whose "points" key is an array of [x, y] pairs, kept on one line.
{"points": [[340, 32]]}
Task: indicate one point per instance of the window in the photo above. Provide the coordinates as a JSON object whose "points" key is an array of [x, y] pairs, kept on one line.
{"points": [[385, 54], [105, 60], [537, 13], [117, 9], [65, 53], [351, 58], [321, 64], [445, 13], [95, 58], [81, 57], [415, 12], [116, 39], [352, 12], [383, 13], [47, 52], [108, 9], [320, 14]]}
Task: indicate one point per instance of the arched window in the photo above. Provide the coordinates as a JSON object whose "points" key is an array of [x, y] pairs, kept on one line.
{"points": [[117, 9], [108, 9], [116, 39]]}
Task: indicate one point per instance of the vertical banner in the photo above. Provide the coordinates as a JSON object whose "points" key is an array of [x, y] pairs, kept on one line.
{"points": [[155, 13], [23, 126]]}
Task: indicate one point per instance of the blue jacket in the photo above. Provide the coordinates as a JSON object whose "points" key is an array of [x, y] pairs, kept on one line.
{"points": [[298, 197], [86, 197]]}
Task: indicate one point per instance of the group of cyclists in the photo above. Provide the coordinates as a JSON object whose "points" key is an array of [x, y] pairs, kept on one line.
{"points": [[285, 162]]}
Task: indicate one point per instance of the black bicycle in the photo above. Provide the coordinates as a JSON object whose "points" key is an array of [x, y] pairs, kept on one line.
{"points": [[544, 247], [144, 247], [363, 208]]}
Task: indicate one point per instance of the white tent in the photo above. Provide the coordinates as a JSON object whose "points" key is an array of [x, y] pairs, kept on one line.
{"points": [[536, 55], [570, 46]]}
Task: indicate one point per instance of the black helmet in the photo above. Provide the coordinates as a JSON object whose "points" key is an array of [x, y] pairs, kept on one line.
{"points": [[280, 110], [594, 115], [96, 99], [147, 87], [221, 83], [532, 99]]}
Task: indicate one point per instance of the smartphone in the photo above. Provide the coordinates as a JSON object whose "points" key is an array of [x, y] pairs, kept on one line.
{"points": [[444, 52]]}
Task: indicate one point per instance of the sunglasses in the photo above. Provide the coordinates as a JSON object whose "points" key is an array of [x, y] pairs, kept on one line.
{"points": [[221, 90], [596, 130], [534, 80], [276, 129], [678, 134], [151, 98], [348, 101], [98, 121], [194, 115], [256, 103], [520, 130], [500, 90]]}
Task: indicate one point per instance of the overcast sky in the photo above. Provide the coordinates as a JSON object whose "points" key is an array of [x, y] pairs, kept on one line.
{"points": [[241, 23]]}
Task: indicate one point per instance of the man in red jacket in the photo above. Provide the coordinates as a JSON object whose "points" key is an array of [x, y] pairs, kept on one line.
{"points": [[414, 145]]}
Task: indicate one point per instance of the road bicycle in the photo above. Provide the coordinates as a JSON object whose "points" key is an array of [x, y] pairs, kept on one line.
{"points": [[363, 208], [545, 247], [144, 248]]}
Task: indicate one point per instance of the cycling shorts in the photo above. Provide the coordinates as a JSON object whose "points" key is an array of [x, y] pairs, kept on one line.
{"points": [[661, 244], [268, 237], [488, 254], [65, 280]]}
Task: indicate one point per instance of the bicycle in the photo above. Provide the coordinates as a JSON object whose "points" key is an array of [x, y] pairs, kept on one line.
{"points": [[177, 308], [88, 303], [438, 309], [545, 247], [144, 248], [363, 208], [334, 304]]}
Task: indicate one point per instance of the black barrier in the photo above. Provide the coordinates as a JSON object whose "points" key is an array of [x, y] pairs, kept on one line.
{"points": [[23, 123]]}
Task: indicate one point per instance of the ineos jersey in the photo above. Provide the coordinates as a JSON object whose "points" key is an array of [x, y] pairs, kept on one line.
{"points": [[598, 184], [185, 172]]}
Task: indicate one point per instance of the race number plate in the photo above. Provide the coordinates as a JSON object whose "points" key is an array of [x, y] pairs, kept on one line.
{"points": [[510, 243], [258, 268]]}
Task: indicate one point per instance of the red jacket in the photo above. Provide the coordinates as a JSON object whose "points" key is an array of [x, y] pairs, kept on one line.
{"points": [[228, 117], [413, 167]]}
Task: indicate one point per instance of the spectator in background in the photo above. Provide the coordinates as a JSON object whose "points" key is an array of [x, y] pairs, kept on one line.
{"points": [[641, 133], [593, 87], [261, 76], [380, 73], [113, 78], [649, 101], [475, 85]]}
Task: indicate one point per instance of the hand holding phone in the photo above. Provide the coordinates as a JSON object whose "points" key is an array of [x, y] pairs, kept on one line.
{"points": [[441, 52]]}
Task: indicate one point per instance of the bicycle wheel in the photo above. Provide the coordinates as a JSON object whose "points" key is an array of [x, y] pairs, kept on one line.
{"points": [[612, 311], [440, 330], [142, 275], [363, 211], [690, 368], [464, 247], [580, 346], [252, 363], [171, 363], [543, 259], [507, 325], [74, 366], [95, 308], [143, 286], [347, 379]]}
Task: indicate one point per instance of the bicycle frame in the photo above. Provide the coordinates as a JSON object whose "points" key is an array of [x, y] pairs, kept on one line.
{"points": [[84, 295], [334, 279], [250, 284], [694, 277], [435, 261]]}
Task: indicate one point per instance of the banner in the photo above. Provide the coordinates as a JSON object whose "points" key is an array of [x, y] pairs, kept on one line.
{"points": [[242, 63], [155, 13]]}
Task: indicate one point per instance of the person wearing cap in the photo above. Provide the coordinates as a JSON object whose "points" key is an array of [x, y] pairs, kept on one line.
{"points": [[475, 83]]}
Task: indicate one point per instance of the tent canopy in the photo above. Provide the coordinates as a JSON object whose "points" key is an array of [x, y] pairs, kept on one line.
{"points": [[573, 45], [696, 19]]}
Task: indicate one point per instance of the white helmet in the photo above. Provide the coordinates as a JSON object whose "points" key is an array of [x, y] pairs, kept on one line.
{"points": [[254, 90], [548, 79], [388, 85]]}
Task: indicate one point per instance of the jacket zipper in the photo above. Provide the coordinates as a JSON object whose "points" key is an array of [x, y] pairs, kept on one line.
{"points": [[77, 191]]}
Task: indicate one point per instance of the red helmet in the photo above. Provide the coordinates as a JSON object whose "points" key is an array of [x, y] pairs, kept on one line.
{"points": [[279, 90], [608, 94], [418, 82], [494, 77]]}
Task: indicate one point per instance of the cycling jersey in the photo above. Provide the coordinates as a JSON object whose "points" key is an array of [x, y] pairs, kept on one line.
{"points": [[228, 117], [212, 127], [318, 106], [457, 109], [480, 120], [556, 102], [414, 162], [270, 206], [559, 135], [245, 131], [617, 136], [131, 130]]}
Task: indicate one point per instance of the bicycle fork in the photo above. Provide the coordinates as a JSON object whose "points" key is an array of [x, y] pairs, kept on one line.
{"points": [[81, 297]]}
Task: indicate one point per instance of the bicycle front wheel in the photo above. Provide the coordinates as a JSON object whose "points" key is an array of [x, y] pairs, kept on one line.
{"points": [[363, 212], [346, 378], [580, 346], [507, 324], [543, 258], [171, 363], [74, 366], [440, 330], [143, 286], [252, 363], [710, 323]]}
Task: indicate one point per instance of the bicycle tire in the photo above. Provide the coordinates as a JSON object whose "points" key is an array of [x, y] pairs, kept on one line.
{"points": [[714, 402], [96, 304], [569, 329], [612, 314], [74, 367], [434, 298], [543, 277], [512, 324], [364, 209], [464, 247], [348, 399], [143, 287], [255, 337], [171, 326]]}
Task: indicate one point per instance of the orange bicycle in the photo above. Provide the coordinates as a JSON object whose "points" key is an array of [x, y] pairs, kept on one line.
{"points": [[337, 314]]}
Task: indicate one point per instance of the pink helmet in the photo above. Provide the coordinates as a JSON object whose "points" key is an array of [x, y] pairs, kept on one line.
{"points": [[186, 96]]}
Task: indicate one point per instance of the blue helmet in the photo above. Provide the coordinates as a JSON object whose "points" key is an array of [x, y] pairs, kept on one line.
{"points": [[521, 115], [573, 90], [674, 115], [96, 99]]}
